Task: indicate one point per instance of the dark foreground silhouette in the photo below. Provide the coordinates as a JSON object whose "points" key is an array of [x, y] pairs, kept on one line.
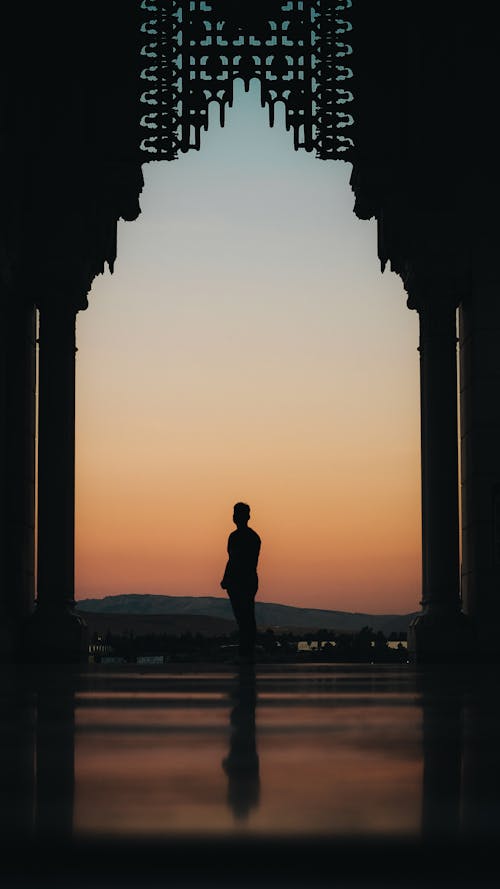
{"points": [[241, 580], [455, 739]]}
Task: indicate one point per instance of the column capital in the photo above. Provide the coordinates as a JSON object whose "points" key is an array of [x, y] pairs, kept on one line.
{"points": [[433, 291], [438, 324], [58, 305]]}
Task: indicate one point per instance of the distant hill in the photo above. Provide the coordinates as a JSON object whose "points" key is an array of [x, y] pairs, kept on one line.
{"points": [[268, 614]]}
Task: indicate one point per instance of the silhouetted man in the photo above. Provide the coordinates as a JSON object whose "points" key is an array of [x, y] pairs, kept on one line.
{"points": [[240, 578]]}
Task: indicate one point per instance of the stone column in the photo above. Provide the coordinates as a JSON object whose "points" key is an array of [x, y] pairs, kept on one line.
{"points": [[480, 438], [56, 633], [441, 632], [17, 468]]}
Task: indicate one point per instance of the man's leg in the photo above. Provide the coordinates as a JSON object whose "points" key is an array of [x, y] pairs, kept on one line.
{"points": [[248, 629], [236, 604], [243, 606]]}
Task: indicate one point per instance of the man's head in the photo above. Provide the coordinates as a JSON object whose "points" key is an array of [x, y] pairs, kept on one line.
{"points": [[241, 514]]}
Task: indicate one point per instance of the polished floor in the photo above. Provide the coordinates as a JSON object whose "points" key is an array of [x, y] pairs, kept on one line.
{"points": [[299, 775]]}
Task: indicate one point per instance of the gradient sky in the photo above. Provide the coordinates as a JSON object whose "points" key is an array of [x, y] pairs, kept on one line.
{"points": [[247, 347]]}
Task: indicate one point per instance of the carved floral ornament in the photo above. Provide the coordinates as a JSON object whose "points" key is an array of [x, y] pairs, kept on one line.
{"points": [[299, 51]]}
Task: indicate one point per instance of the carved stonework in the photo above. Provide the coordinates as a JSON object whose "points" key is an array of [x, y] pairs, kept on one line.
{"points": [[298, 50]]}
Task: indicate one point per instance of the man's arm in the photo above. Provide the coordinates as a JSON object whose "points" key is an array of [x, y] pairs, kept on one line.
{"points": [[225, 578], [258, 545]]}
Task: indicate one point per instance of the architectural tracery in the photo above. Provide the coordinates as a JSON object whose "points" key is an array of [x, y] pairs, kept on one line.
{"points": [[299, 51]]}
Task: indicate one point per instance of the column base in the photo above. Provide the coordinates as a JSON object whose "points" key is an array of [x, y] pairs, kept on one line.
{"points": [[55, 636], [441, 638]]}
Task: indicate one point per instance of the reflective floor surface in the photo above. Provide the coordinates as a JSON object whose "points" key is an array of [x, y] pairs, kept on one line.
{"points": [[330, 774]]}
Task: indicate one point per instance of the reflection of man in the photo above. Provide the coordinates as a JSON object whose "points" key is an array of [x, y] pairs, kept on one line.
{"points": [[240, 577], [242, 763]]}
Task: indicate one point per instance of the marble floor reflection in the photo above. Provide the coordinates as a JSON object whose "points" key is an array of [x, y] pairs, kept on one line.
{"points": [[130, 773]]}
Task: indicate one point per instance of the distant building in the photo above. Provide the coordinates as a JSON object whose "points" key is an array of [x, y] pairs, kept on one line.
{"points": [[98, 649], [313, 646], [150, 659]]}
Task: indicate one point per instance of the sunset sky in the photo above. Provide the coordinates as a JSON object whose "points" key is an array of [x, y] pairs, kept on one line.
{"points": [[247, 347]]}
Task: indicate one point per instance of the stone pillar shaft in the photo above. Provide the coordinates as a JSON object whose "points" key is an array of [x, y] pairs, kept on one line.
{"points": [[55, 633], [56, 459], [439, 440], [441, 633], [480, 439]]}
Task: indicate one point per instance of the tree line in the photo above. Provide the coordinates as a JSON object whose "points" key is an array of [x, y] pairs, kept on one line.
{"points": [[365, 646]]}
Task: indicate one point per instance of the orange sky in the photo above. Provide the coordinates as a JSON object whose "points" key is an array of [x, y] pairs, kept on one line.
{"points": [[248, 348]]}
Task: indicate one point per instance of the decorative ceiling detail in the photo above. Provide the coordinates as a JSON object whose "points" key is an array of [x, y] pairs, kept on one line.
{"points": [[298, 50]]}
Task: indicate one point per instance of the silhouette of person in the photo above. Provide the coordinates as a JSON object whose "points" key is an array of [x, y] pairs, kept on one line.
{"points": [[240, 578], [241, 765]]}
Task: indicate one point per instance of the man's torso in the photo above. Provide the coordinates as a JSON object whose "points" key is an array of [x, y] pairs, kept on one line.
{"points": [[243, 547]]}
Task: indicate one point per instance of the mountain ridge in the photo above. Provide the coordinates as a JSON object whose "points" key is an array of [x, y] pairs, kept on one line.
{"points": [[268, 614]]}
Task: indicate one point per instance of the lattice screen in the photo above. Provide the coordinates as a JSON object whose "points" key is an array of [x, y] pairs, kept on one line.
{"points": [[298, 50]]}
